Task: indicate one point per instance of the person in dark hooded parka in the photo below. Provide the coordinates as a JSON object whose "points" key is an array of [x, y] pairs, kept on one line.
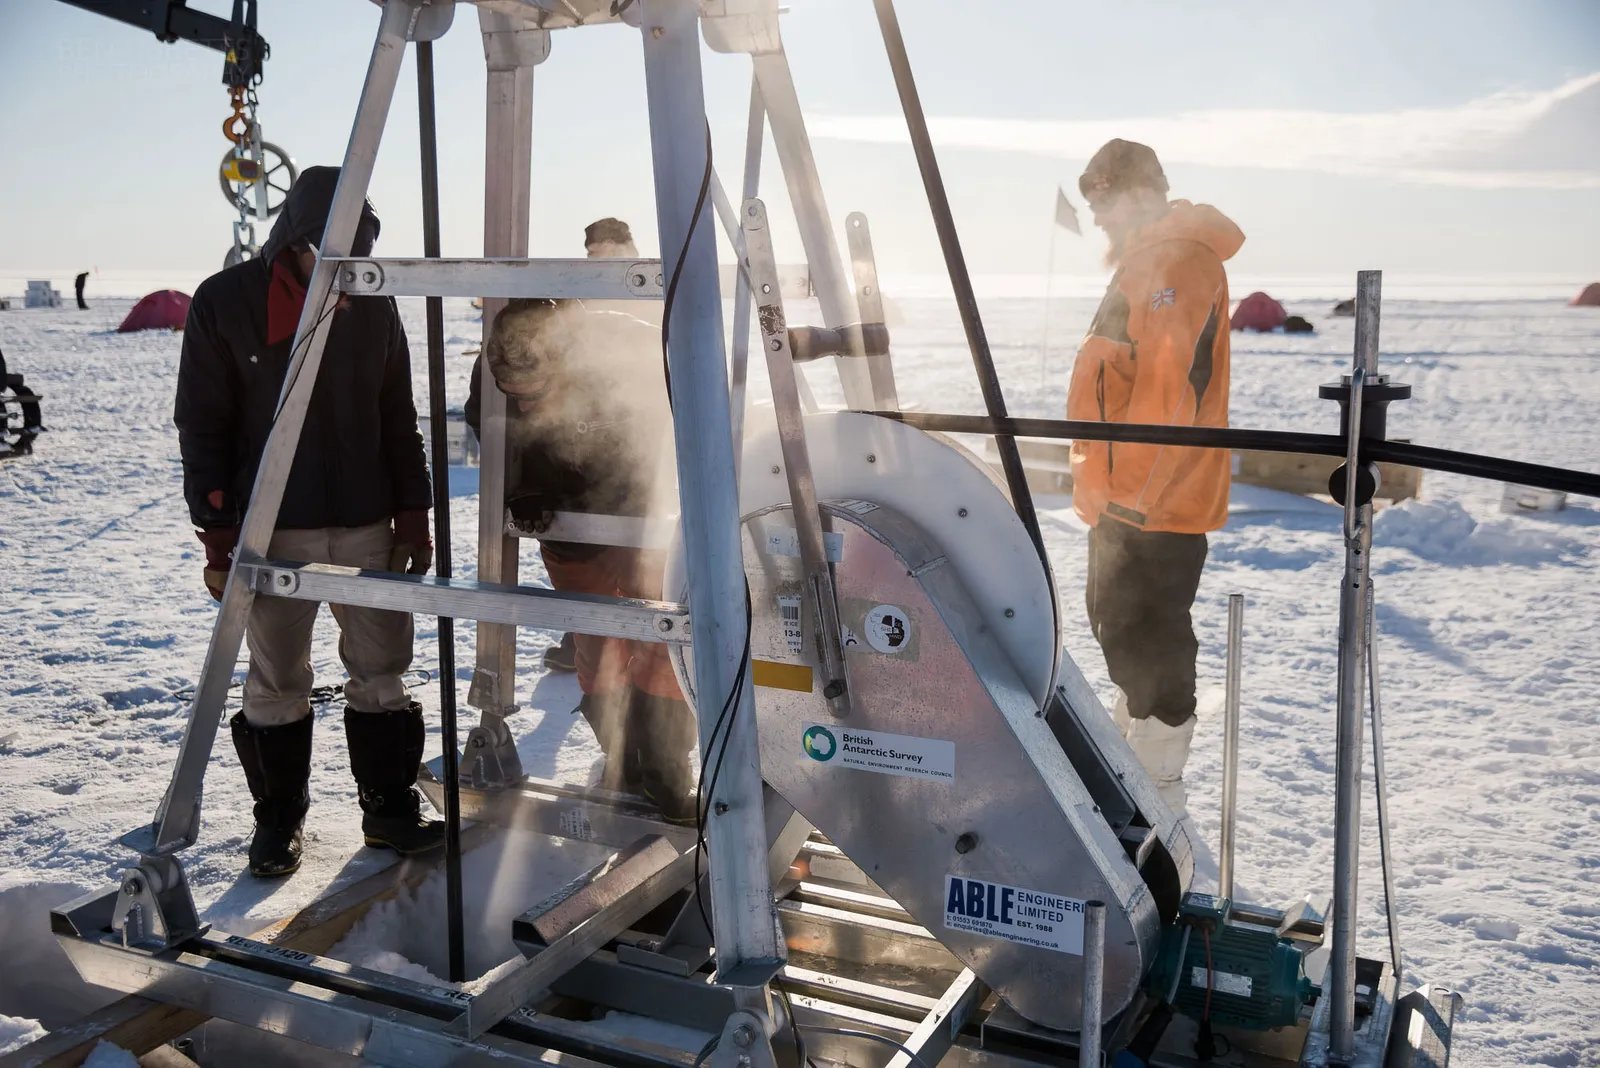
{"points": [[357, 495]]}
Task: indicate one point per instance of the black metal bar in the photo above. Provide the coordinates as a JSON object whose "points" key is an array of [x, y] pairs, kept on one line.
{"points": [[441, 514], [955, 262], [1449, 461], [171, 20], [1584, 483]]}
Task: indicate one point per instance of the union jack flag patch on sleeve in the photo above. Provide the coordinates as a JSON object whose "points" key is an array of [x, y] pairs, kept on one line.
{"points": [[1163, 298]]}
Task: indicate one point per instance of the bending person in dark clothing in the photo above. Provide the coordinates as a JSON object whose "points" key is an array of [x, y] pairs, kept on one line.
{"points": [[589, 432], [357, 494], [77, 288], [28, 401]]}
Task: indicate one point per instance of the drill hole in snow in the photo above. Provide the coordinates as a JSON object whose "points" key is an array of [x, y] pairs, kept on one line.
{"points": [[407, 935]]}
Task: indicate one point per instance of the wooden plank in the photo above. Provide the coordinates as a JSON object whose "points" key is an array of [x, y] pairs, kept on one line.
{"points": [[139, 1025], [1308, 475]]}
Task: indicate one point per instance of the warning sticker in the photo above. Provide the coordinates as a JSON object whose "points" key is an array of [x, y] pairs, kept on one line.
{"points": [[888, 629], [885, 754], [786, 542], [1028, 917]]}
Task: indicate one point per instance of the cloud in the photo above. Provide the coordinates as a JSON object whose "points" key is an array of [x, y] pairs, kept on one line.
{"points": [[1511, 140]]}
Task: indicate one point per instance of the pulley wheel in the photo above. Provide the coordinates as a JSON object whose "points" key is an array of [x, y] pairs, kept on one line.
{"points": [[275, 168]]}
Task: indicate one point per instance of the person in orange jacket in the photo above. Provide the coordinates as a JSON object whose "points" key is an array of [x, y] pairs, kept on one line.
{"points": [[1157, 352]]}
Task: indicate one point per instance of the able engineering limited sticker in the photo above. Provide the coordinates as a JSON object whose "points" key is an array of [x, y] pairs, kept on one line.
{"points": [[885, 754], [1028, 917]]}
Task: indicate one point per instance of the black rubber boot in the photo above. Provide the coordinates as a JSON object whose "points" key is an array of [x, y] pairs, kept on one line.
{"points": [[277, 765], [385, 754], [562, 657], [607, 715], [660, 733]]}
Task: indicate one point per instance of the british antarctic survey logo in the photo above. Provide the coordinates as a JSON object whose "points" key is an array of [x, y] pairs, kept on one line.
{"points": [[819, 743]]}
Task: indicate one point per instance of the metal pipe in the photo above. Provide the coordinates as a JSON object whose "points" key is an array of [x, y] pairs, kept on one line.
{"points": [[741, 891], [1380, 789], [428, 136], [994, 400], [737, 402], [1230, 745], [799, 168], [1354, 605], [1094, 982], [510, 53]]}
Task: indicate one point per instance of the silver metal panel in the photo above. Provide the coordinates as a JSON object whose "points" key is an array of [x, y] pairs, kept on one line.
{"points": [[1015, 813], [588, 279], [527, 606]]}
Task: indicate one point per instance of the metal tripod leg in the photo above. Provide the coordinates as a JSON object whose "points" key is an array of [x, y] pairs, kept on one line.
{"points": [[809, 523], [511, 52], [177, 820], [748, 947]]}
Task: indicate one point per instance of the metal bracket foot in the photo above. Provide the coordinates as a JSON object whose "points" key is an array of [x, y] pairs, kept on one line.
{"points": [[491, 761], [154, 909]]}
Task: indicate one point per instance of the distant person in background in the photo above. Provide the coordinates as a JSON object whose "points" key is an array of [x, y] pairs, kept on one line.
{"points": [[357, 495], [1156, 352], [77, 287]]}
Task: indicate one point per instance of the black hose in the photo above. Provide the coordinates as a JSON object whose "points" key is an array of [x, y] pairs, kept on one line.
{"points": [[441, 517], [1474, 465]]}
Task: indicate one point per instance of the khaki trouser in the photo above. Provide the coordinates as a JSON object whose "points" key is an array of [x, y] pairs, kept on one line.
{"points": [[375, 645]]}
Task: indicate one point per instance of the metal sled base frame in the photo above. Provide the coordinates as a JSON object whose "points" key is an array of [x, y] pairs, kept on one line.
{"points": [[839, 938]]}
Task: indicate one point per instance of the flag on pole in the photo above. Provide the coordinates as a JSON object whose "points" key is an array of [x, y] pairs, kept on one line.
{"points": [[1066, 214]]}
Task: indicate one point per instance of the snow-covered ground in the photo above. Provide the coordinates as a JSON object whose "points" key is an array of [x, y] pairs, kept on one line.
{"points": [[1490, 663]]}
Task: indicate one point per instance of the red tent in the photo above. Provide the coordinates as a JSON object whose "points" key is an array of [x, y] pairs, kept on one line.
{"points": [[165, 309], [1258, 312], [1589, 298]]}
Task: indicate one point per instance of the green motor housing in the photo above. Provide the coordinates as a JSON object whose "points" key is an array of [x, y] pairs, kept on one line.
{"points": [[1256, 977]]}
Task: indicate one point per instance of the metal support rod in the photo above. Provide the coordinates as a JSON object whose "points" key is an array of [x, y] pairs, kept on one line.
{"points": [[737, 399], [1354, 606], [1094, 982], [1230, 745], [1380, 788], [799, 167], [809, 522], [511, 53], [179, 815], [429, 144], [994, 400], [741, 894]]}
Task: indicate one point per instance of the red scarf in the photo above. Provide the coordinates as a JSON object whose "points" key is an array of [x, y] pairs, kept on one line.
{"points": [[285, 299]]}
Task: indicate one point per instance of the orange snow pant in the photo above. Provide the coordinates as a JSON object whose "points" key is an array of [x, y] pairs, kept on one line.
{"points": [[608, 664]]}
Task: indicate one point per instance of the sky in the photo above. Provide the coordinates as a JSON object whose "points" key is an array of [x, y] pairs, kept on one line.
{"points": [[1428, 140]]}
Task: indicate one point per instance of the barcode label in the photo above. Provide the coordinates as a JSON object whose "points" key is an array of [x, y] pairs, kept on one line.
{"points": [[789, 612]]}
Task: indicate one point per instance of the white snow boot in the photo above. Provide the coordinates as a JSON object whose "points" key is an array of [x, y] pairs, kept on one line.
{"points": [[1164, 750]]}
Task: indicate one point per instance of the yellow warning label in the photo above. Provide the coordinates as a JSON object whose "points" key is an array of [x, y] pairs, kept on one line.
{"points": [[781, 676]]}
